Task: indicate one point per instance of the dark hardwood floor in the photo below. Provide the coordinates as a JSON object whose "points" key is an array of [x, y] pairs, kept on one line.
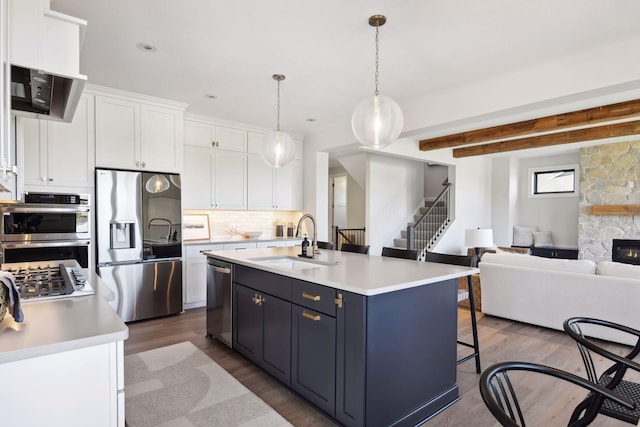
{"points": [[500, 340]]}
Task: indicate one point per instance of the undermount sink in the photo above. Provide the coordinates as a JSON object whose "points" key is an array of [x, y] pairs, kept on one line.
{"points": [[293, 263], [161, 249]]}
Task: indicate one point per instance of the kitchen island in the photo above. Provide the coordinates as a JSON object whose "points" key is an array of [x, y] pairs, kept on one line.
{"points": [[64, 364], [369, 340]]}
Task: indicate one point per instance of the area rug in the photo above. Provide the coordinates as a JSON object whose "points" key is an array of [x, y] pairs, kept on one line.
{"points": [[180, 386]]}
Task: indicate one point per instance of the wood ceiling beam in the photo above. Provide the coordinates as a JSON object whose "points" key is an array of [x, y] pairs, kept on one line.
{"points": [[567, 137], [556, 122]]}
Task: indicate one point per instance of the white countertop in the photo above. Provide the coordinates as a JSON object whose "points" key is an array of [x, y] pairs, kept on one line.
{"points": [[358, 273], [63, 324], [240, 239]]}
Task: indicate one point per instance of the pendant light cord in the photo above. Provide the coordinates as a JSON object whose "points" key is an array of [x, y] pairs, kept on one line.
{"points": [[278, 114], [377, 54]]}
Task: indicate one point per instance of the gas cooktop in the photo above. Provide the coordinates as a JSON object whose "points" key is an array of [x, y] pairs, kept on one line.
{"points": [[44, 280]]}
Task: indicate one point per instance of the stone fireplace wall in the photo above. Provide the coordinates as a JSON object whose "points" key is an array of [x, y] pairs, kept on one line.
{"points": [[608, 176]]}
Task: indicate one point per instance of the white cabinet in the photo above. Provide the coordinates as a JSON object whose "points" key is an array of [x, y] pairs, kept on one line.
{"points": [[271, 188], [239, 245], [204, 134], [131, 134], [56, 153], [279, 243], [93, 376], [196, 274], [214, 178]]}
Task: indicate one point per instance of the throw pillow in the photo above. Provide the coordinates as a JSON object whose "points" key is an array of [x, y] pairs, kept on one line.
{"points": [[542, 239], [523, 236]]}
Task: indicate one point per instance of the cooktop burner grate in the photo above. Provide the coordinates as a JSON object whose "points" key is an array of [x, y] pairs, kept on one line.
{"points": [[40, 281]]}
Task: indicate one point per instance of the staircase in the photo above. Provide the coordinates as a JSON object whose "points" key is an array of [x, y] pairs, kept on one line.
{"points": [[429, 224]]}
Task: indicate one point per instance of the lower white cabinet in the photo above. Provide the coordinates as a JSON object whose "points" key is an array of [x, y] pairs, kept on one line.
{"points": [[279, 243], [83, 387], [196, 274]]}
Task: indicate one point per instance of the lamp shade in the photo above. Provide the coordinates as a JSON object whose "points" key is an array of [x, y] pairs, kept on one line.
{"points": [[278, 149], [377, 121], [478, 238]]}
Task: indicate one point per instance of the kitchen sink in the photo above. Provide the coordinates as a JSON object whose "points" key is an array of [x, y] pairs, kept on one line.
{"points": [[293, 263], [161, 249]]}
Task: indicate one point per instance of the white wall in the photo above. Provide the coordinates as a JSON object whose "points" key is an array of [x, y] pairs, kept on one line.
{"points": [[356, 199], [504, 198], [556, 214], [434, 176], [395, 187]]}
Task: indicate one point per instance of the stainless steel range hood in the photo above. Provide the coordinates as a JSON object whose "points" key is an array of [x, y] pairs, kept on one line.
{"points": [[45, 60], [44, 95]]}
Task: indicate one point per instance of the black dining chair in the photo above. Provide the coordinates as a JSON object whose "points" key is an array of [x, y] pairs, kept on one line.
{"points": [[500, 393], [400, 253], [325, 245], [578, 328], [359, 249], [467, 261]]}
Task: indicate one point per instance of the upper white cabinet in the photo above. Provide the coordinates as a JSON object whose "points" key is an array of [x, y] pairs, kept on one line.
{"points": [[133, 134], [58, 153], [214, 178], [271, 188], [204, 134]]}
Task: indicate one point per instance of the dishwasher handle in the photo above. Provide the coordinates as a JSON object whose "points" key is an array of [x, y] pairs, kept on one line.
{"points": [[221, 269]]}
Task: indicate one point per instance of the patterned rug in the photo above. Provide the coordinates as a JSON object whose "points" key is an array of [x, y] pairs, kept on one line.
{"points": [[180, 386]]}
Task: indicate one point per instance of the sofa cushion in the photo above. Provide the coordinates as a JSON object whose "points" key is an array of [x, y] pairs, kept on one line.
{"points": [[618, 269], [553, 264], [523, 236], [542, 239]]}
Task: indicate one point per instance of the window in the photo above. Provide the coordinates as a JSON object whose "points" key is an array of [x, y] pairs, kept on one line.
{"points": [[555, 181]]}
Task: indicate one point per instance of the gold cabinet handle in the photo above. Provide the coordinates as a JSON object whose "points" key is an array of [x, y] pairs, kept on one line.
{"points": [[312, 297], [314, 317], [338, 301], [257, 299]]}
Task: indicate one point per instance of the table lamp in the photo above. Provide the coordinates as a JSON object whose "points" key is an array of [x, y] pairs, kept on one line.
{"points": [[478, 238]]}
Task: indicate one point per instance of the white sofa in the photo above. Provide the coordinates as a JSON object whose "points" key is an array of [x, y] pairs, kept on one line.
{"points": [[547, 291]]}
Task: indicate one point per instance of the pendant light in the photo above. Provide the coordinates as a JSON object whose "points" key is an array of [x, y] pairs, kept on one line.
{"points": [[278, 148], [157, 184], [377, 121]]}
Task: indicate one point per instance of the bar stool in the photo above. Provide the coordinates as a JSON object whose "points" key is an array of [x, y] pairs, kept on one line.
{"points": [[467, 261]]}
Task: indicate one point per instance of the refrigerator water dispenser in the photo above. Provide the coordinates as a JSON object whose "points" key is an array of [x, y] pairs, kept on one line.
{"points": [[122, 235]]}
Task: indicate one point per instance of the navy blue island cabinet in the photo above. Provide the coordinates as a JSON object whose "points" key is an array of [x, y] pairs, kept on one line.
{"points": [[380, 360]]}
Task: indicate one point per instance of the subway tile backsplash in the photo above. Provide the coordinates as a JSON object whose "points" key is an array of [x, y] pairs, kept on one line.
{"points": [[226, 225]]}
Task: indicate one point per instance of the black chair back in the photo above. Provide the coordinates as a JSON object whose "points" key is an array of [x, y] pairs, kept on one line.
{"points": [[359, 249], [400, 253], [464, 260], [325, 245], [500, 393]]}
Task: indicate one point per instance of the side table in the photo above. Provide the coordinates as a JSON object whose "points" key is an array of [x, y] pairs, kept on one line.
{"points": [[477, 292]]}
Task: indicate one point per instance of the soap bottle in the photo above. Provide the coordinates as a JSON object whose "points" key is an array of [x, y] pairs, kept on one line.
{"points": [[305, 246]]}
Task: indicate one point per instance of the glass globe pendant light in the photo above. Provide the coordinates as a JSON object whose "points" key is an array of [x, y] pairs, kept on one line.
{"points": [[278, 148], [377, 121]]}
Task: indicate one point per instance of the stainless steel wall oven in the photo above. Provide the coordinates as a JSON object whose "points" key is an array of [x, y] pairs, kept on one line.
{"points": [[46, 227]]}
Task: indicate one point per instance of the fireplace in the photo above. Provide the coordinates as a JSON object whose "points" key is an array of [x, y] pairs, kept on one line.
{"points": [[626, 251]]}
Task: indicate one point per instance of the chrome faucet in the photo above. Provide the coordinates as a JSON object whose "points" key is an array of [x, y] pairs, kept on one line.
{"points": [[314, 249], [165, 220]]}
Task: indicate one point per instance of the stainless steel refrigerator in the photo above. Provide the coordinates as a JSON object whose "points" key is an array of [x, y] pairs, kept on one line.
{"points": [[139, 242]]}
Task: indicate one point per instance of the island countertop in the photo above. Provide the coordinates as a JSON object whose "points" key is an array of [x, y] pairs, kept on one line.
{"points": [[361, 274], [64, 324]]}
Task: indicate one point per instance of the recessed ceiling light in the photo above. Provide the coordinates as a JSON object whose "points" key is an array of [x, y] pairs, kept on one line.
{"points": [[210, 96], [146, 47]]}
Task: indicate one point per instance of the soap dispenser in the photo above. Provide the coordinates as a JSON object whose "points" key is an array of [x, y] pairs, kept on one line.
{"points": [[305, 247]]}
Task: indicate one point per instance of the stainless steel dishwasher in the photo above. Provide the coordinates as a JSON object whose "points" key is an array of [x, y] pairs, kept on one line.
{"points": [[219, 276]]}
